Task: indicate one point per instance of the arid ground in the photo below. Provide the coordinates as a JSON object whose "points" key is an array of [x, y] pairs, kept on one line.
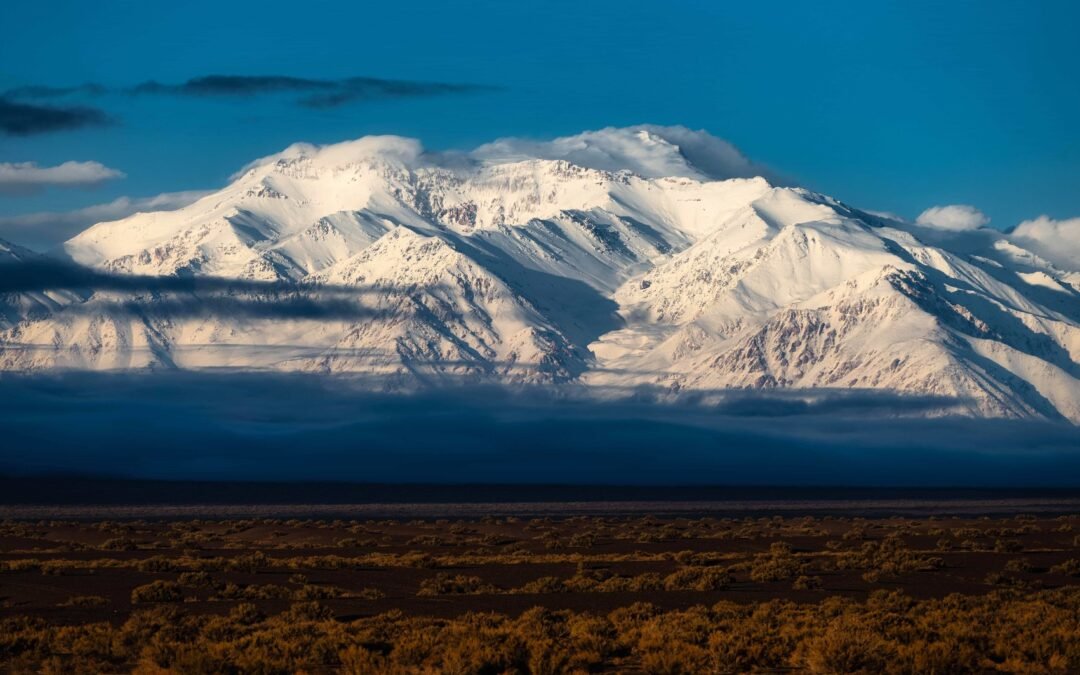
{"points": [[625, 593]]}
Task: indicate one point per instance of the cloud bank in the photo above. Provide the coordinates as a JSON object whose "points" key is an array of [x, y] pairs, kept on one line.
{"points": [[26, 177], [954, 217], [248, 426]]}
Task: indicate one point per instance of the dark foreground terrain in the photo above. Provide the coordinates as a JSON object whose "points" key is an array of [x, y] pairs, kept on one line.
{"points": [[520, 594]]}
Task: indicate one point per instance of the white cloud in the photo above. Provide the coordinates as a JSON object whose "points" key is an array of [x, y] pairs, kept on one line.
{"points": [[23, 177], [647, 150], [1055, 240], [956, 217], [51, 227]]}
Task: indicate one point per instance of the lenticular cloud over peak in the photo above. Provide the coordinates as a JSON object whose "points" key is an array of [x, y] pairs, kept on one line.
{"points": [[647, 150]]}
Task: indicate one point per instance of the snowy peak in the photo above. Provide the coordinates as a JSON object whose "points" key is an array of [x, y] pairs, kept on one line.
{"points": [[302, 160]]}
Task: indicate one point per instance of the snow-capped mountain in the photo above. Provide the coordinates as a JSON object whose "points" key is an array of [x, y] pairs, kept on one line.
{"points": [[618, 258]]}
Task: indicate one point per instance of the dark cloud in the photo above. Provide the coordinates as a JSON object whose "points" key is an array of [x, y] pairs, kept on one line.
{"points": [[367, 89], [52, 274], [25, 119], [22, 114], [282, 305], [317, 93], [186, 296], [233, 85]]}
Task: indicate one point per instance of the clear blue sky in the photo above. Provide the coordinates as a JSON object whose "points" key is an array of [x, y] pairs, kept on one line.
{"points": [[887, 105]]}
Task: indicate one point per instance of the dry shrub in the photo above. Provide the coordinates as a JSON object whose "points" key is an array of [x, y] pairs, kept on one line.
{"points": [[196, 580], [776, 565], [847, 646], [698, 579], [542, 585], [1071, 567], [458, 584], [157, 591], [888, 633]]}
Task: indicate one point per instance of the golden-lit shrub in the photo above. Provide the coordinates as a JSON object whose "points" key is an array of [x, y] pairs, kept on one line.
{"points": [[888, 633], [698, 579], [543, 585], [157, 591], [848, 645], [776, 565], [196, 580]]}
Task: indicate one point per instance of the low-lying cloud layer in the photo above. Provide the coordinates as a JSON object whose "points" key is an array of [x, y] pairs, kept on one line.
{"points": [[248, 426], [178, 297], [46, 273]]}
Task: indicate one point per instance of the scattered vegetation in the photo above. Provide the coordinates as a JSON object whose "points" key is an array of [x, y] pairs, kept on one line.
{"points": [[888, 633], [821, 595]]}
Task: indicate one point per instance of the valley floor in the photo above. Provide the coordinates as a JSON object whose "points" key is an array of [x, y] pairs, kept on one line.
{"points": [[607, 591]]}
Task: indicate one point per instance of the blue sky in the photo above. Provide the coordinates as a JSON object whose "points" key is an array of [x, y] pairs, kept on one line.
{"points": [[893, 106]]}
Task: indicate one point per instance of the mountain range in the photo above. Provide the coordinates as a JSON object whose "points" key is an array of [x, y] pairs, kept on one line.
{"points": [[621, 259]]}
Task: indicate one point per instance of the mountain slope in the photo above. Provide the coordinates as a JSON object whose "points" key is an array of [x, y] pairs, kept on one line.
{"points": [[17, 306], [609, 259]]}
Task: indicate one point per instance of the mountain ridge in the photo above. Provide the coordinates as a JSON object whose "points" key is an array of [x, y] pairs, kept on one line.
{"points": [[607, 259]]}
